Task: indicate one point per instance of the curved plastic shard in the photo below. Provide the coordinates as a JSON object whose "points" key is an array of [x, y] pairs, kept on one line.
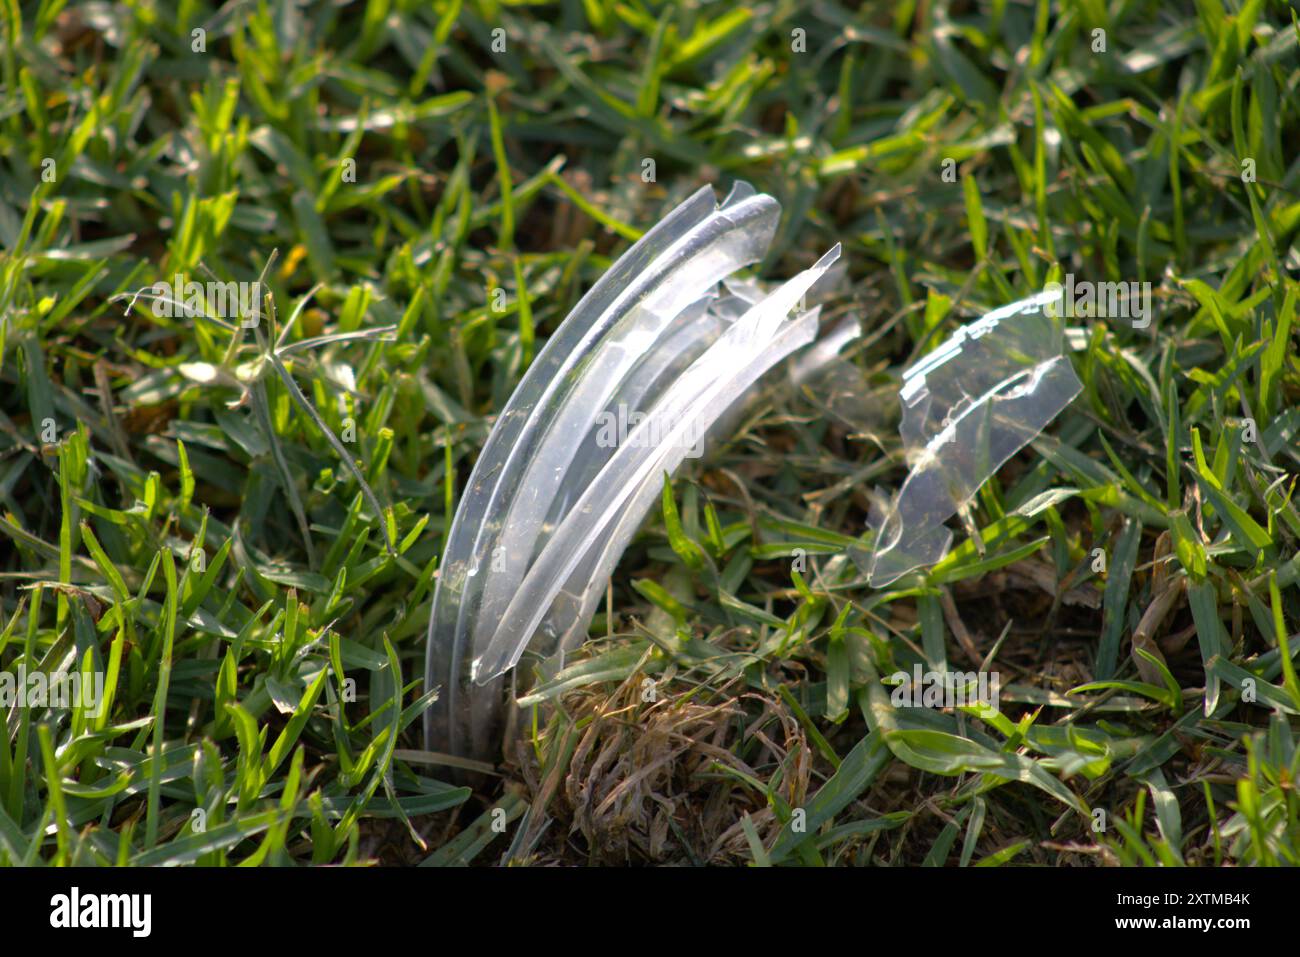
{"points": [[968, 406], [621, 351]]}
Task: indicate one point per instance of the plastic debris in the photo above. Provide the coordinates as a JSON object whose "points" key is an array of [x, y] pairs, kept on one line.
{"points": [[968, 406], [630, 385]]}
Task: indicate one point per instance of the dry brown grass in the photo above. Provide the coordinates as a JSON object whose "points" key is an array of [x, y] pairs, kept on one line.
{"points": [[646, 783]]}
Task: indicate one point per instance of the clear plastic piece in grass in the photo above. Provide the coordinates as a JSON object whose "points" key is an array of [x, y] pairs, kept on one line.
{"points": [[968, 406], [626, 388]]}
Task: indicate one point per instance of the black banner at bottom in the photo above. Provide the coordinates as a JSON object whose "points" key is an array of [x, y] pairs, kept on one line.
{"points": [[346, 906]]}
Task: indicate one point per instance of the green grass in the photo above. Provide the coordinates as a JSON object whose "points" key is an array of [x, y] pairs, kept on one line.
{"points": [[240, 528]]}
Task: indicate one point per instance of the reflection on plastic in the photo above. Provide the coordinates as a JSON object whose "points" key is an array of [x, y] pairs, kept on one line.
{"points": [[653, 355], [968, 406]]}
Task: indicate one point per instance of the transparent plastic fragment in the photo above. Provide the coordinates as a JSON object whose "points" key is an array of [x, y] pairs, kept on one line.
{"points": [[616, 359], [968, 406]]}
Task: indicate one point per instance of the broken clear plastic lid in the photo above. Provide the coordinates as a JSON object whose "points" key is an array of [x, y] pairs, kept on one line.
{"points": [[644, 369]]}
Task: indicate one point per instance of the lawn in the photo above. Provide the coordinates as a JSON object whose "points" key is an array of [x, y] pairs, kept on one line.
{"points": [[230, 515]]}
